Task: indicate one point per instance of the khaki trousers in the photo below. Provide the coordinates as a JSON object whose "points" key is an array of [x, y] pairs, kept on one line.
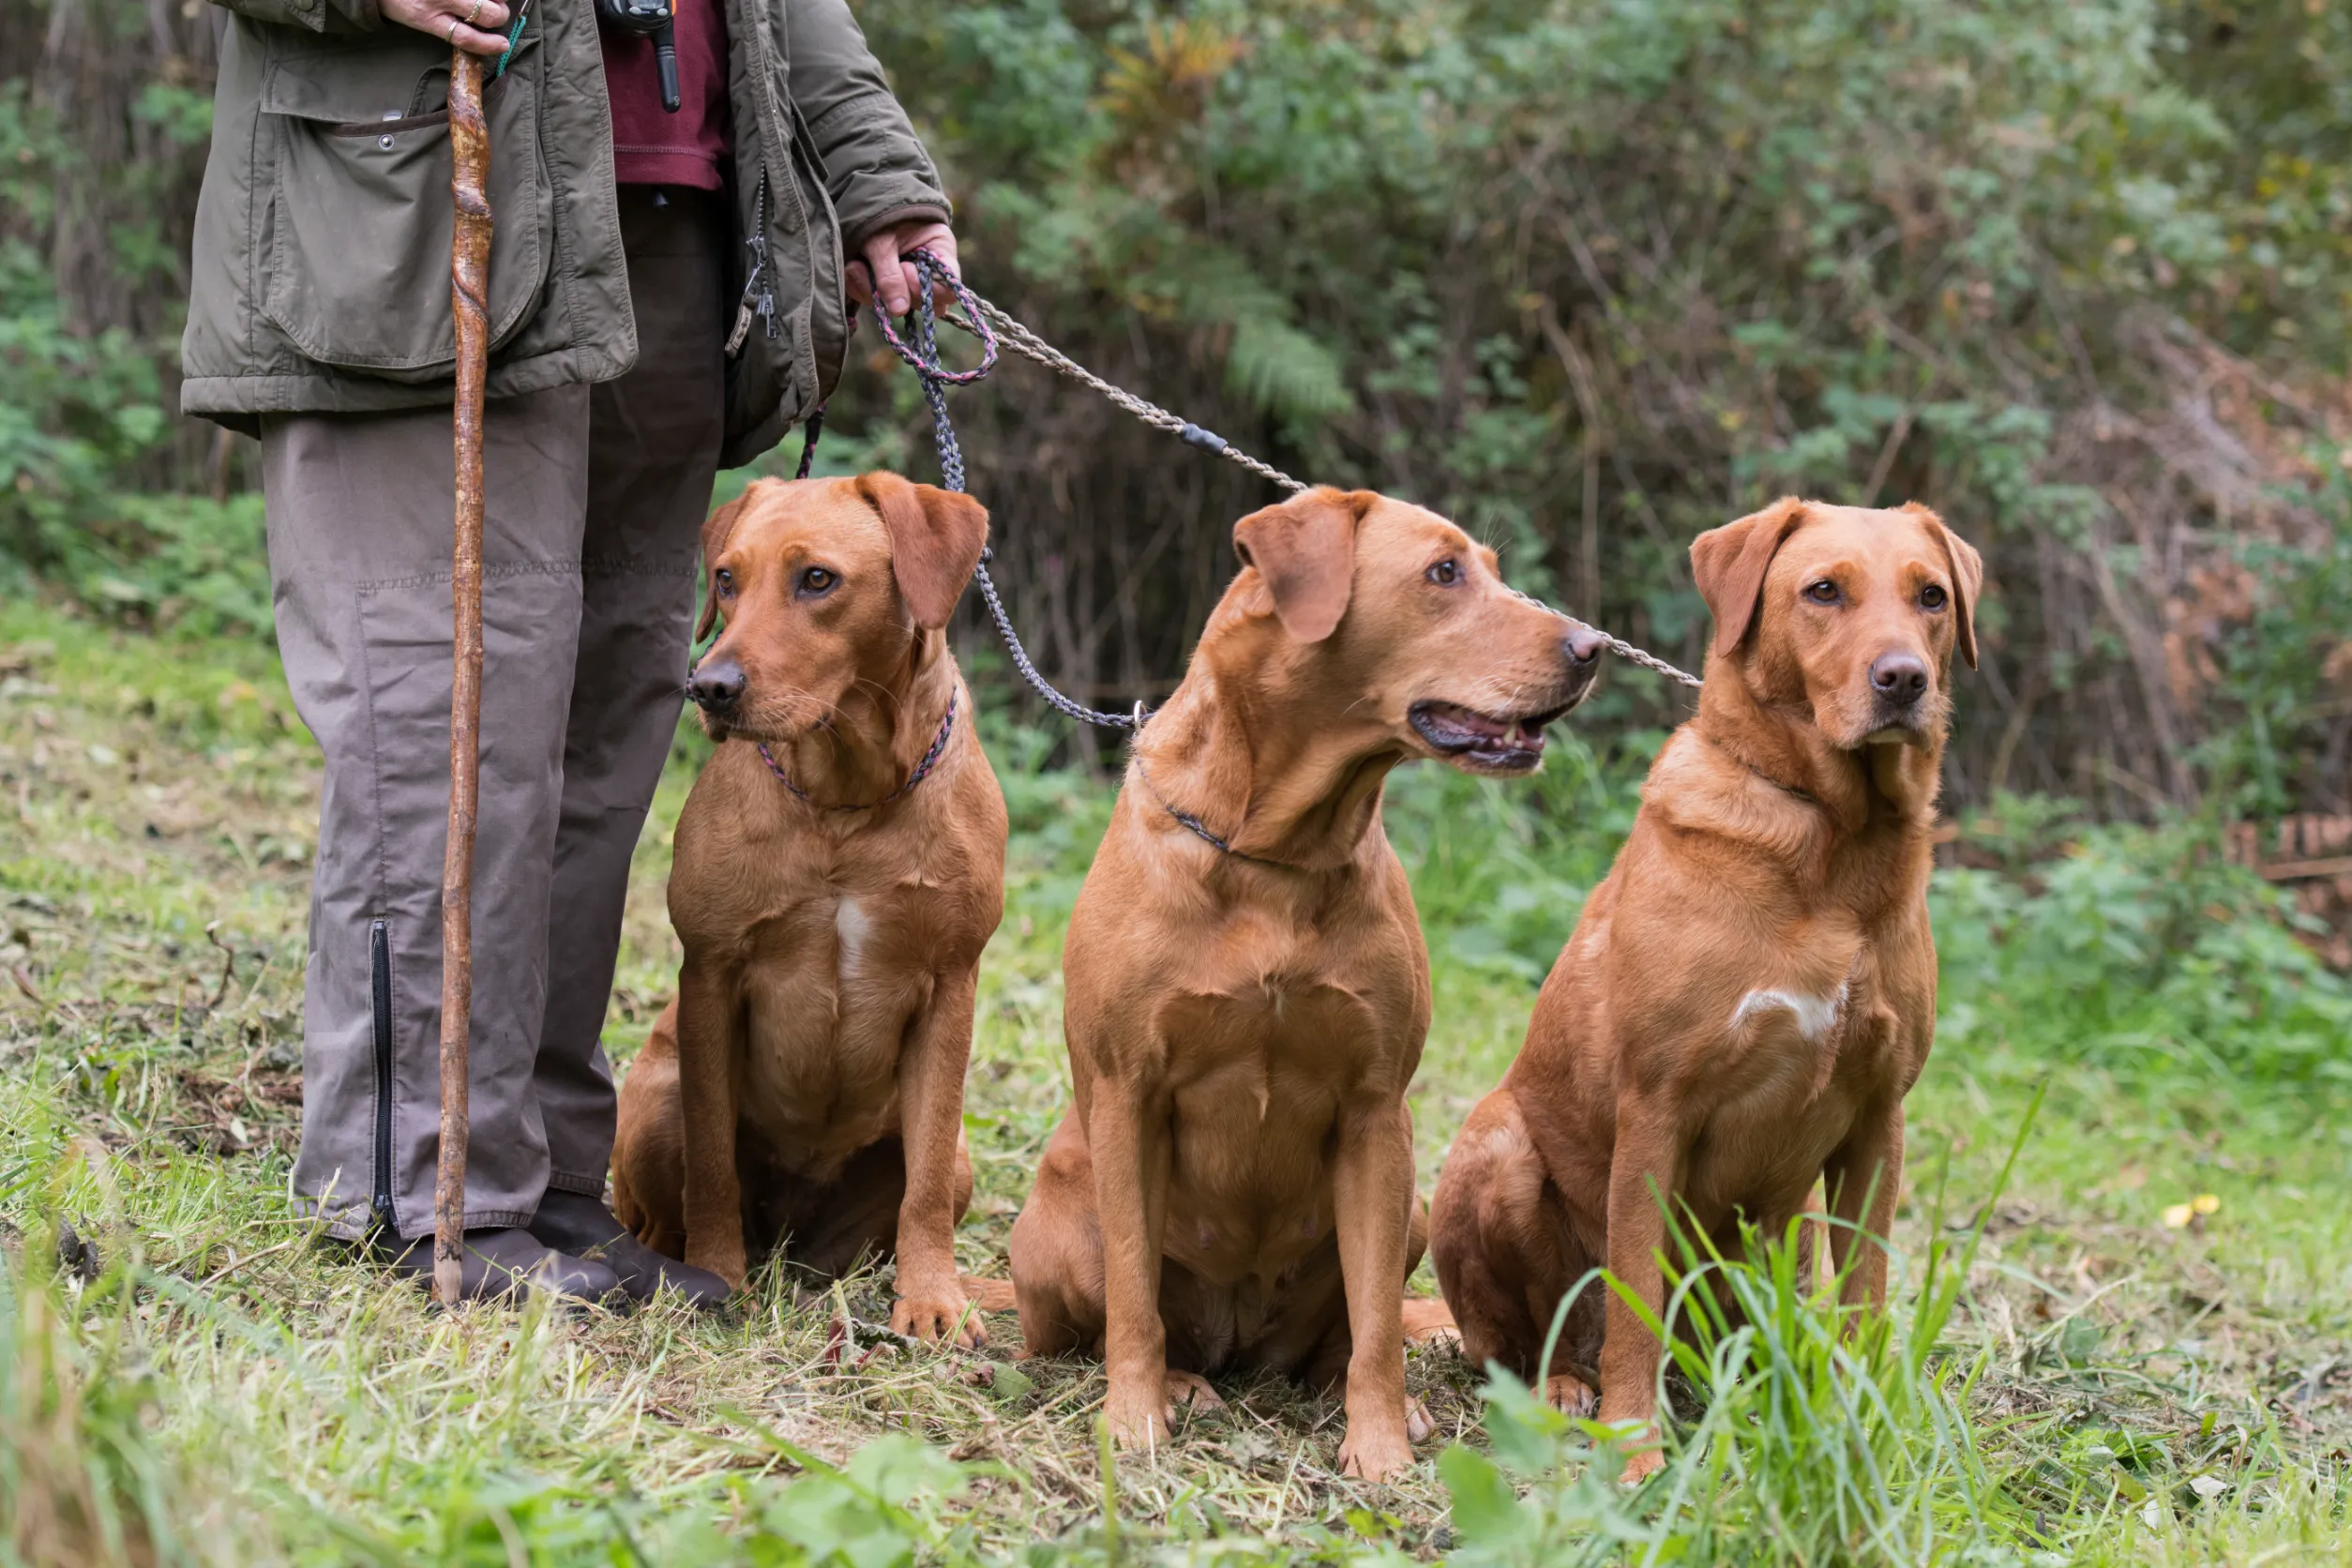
{"points": [[594, 499]]}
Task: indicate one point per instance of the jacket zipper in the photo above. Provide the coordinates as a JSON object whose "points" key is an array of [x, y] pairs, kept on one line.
{"points": [[380, 988]]}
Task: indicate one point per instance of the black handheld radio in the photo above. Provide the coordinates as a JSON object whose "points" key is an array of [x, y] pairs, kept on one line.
{"points": [[648, 19]]}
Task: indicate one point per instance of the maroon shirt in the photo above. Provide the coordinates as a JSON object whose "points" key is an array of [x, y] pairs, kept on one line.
{"points": [[651, 145]]}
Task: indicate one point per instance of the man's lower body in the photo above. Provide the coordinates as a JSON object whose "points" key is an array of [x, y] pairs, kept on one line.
{"points": [[594, 500]]}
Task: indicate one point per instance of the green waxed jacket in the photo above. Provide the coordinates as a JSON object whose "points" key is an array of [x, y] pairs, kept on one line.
{"points": [[320, 274]]}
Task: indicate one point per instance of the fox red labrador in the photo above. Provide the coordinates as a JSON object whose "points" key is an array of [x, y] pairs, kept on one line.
{"points": [[1752, 991], [839, 865], [1232, 1188]]}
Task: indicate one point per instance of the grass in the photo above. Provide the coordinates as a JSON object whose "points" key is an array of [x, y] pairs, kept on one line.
{"points": [[2065, 1378]]}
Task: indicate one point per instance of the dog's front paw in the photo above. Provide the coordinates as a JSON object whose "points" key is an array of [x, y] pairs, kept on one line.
{"points": [[932, 1315], [1570, 1394], [1640, 1466], [1382, 1454], [1139, 1418], [1189, 1388]]}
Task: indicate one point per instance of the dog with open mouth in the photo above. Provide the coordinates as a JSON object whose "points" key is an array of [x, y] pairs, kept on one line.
{"points": [[1751, 992], [1248, 991]]}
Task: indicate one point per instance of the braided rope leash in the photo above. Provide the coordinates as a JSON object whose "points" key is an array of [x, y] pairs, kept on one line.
{"points": [[993, 326], [923, 358], [1021, 340]]}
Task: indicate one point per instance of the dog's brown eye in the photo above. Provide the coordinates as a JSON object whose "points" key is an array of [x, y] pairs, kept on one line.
{"points": [[725, 580], [1445, 574], [1932, 597], [1823, 592], [816, 580]]}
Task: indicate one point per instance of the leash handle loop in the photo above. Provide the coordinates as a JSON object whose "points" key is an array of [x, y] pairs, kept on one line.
{"points": [[923, 355]]}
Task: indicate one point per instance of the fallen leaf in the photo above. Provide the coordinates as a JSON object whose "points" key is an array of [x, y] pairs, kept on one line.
{"points": [[1007, 1381]]}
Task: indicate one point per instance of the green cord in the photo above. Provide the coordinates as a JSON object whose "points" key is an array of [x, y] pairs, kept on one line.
{"points": [[513, 33]]}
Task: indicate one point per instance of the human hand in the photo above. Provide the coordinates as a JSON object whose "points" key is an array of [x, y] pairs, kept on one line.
{"points": [[477, 26], [882, 260]]}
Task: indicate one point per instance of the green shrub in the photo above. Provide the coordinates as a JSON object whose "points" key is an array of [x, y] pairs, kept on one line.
{"points": [[1594, 275], [882, 1509], [95, 182], [175, 563], [1500, 871], [2141, 952], [2282, 668]]}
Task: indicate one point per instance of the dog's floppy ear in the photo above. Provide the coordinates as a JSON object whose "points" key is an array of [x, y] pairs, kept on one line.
{"points": [[715, 530], [1967, 576], [1728, 564], [1305, 550], [936, 537]]}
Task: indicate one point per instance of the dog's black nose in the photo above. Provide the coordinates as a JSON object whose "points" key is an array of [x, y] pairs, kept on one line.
{"points": [[1582, 645], [715, 683], [1899, 678]]}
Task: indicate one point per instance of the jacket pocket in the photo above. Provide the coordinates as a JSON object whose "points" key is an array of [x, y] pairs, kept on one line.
{"points": [[357, 258]]}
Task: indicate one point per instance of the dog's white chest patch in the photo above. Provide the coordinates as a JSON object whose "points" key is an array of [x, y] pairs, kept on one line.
{"points": [[851, 929], [1815, 1015]]}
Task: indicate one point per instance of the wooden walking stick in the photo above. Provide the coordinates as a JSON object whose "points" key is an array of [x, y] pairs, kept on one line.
{"points": [[469, 285]]}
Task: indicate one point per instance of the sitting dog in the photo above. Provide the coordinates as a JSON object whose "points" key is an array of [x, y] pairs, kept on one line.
{"points": [[839, 865], [1752, 991], [1231, 1187]]}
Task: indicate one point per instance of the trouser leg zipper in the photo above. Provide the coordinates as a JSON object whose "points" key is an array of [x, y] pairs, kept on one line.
{"points": [[380, 989]]}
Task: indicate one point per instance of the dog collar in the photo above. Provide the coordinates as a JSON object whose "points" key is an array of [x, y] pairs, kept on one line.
{"points": [[1198, 828], [1805, 795], [922, 769]]}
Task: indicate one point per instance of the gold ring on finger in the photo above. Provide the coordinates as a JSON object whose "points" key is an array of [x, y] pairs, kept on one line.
{"points": [[453, 30], [476, 12]]}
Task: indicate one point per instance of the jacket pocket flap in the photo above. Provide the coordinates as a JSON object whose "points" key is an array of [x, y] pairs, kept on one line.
{"points": [[358, 83]]}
